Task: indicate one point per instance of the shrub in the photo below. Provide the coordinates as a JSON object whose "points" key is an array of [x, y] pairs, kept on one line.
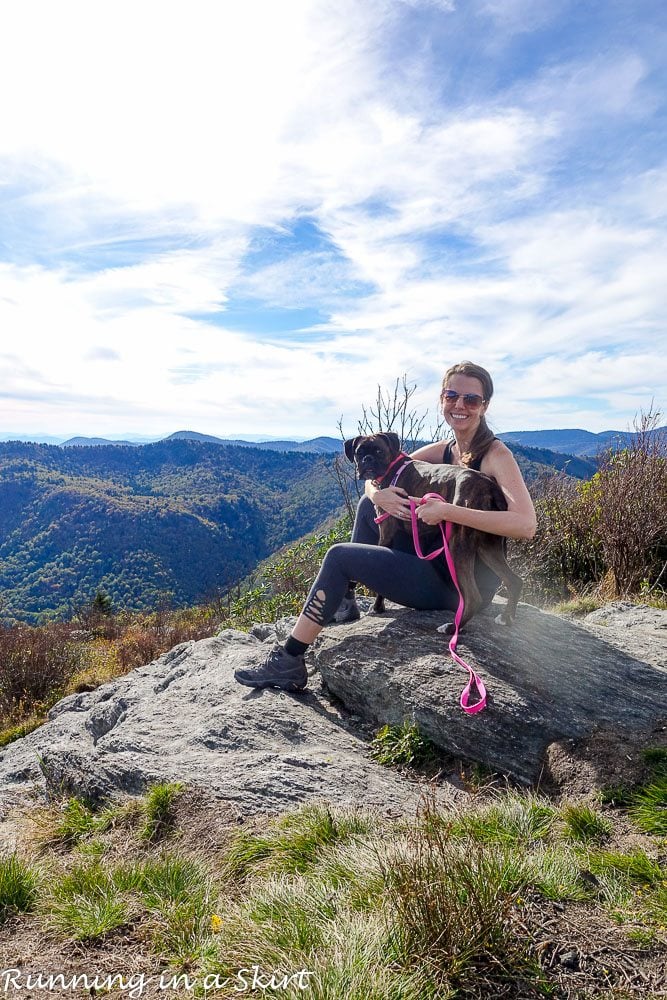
{"points": [[402, 745], [36, 665], [611, 528]]}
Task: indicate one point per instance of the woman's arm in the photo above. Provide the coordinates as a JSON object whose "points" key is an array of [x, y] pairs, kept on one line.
{"points": [[518, 521], [393, 499]]}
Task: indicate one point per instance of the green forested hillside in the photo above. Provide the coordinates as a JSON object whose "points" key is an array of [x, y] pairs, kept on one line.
{"points": [[176, 521]]}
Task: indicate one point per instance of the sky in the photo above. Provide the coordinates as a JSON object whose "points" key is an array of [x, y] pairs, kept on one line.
{"points": [[241, 217]]}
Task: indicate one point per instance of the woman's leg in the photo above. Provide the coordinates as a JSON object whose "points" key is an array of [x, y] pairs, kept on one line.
{"points": [[399, 576], [364, 532]]}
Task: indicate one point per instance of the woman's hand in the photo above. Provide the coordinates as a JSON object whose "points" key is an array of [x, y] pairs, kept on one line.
{"points": [[432, 511], [393, 500]]}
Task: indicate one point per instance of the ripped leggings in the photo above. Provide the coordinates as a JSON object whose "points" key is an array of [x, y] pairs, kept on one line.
{"points": [[399, 576]]}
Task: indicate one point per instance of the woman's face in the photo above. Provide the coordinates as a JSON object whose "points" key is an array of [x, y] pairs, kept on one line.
{"points": [[462, 417]]}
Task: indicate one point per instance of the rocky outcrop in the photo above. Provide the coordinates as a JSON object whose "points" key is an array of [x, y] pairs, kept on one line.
{"points": [[548, 679], [184, 718]]}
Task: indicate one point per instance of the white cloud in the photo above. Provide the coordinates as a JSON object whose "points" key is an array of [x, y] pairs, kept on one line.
{"points": [[182, 128]]}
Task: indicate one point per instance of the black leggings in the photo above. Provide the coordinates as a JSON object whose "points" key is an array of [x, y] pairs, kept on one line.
{"points": [[399, 576]]}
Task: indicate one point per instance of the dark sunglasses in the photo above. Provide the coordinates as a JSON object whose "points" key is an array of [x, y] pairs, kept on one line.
{"points": [[470, 399]]}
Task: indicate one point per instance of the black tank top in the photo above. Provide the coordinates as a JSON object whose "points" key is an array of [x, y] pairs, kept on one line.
{"points": [[447, 458]]}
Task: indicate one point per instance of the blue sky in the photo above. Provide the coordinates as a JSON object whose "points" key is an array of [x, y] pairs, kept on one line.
{"points": [[240, 218]]}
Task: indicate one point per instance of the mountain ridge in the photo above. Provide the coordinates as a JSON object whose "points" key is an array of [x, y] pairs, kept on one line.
{"points": [[571, 441]]}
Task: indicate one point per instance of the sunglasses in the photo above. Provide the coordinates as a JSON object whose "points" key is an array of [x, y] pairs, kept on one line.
{"points": [[470, 399]]}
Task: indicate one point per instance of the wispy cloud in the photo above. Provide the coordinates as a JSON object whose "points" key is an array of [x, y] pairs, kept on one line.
{"points": [[219, 217]]}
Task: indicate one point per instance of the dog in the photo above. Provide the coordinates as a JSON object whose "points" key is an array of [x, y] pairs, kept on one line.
{"points": [[376, 456]]}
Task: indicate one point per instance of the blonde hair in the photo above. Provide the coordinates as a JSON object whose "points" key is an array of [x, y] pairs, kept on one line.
{"points": [[484, 436]]}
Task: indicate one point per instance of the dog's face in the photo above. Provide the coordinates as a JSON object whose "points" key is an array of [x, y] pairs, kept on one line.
{"points": [[373, 454]]}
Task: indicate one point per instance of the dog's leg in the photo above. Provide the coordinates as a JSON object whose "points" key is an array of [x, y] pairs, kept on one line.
{"points": [[462, 550], [491, 552]]}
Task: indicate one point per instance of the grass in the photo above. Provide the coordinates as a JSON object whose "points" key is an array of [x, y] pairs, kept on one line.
{"points": [[584, 824], [159, 810], [445, 904], [508, 818], [87, 903], [294, 842], [401, 746], [578, 606], [18, 886]]}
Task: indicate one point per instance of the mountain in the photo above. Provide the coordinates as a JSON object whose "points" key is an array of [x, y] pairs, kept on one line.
{"points": [[86, 442], [574, 441], [177, 521], [319, 445]]}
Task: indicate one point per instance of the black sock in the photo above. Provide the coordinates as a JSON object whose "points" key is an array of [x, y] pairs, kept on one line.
{"points": [[294, 647]]}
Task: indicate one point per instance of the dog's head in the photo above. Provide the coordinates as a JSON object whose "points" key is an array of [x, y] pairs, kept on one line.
{"points": [[373, 453]]}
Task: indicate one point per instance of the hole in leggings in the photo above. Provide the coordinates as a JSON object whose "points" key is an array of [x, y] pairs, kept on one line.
{"points": [[314, 609]]}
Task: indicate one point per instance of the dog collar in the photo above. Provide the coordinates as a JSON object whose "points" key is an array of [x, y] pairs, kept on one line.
{"points": [[399, 458]]}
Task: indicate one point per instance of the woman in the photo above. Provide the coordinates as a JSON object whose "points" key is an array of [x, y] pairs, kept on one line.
{"points": [[398, 573]]}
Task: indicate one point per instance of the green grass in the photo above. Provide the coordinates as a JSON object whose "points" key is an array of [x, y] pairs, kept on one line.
{"points": [[578, 606], [159, 810], [78, 821], [18, 886], [584, 824], [636, 866], [400, 746], [87, 903], [177, 892], [649, 807], [10, 733], [510, 818], [435, 907], [294, 842]]}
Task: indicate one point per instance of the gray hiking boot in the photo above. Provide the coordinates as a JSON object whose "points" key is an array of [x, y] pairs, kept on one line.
{"points": [[279, 670], [348, 611]]}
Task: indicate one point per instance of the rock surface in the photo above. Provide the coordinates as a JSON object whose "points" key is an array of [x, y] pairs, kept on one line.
{"points": [[548, 679], [184, 717]]}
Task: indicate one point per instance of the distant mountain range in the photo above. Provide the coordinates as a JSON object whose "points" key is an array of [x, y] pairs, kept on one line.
{"points": [[569, 441], [575, 441]]}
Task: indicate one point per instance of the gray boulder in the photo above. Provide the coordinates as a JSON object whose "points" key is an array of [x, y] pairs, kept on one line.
{"points": [[184, 717], [548, 678]]}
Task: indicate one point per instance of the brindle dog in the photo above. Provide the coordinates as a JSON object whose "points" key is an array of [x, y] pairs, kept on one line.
{"points": [[374, 454]]}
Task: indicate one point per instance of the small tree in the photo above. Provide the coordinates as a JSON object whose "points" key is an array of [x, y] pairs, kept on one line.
{"points": [[631, 494], [391, 411]]}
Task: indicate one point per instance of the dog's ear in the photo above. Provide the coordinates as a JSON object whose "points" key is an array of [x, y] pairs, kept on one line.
{"points": [[393, 440], [350, 446]]}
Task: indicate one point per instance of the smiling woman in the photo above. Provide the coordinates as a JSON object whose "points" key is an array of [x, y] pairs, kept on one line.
{"points": [[398, 573]]}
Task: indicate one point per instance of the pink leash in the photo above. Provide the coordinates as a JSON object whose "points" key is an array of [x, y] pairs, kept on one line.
{"points": [[474, 679]]}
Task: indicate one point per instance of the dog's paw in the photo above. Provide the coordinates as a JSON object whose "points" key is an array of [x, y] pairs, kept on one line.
{"points": [[449, 628], [503, 619]]}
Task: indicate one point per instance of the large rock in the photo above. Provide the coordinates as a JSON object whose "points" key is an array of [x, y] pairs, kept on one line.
{"points": [[548, 678], [184, 717]]}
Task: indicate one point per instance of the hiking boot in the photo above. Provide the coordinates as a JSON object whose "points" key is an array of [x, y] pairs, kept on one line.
{"points": [[348, 611], [279, 669]]}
